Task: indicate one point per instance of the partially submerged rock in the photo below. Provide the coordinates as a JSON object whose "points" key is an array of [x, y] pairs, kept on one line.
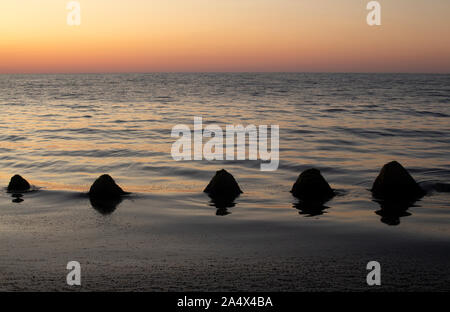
{"points": [[395, 183], [223, 187], [105, 188], [311, 186], [18, 184]]}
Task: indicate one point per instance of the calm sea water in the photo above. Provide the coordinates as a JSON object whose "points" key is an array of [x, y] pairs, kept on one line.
{"points": [[62, 131]]}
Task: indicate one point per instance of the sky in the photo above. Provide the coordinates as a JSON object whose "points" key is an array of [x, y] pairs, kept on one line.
{"points": [[224, 36]]}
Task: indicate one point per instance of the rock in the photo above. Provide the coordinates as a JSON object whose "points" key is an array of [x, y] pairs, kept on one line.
{"points": [[395, 183], [311, 186], [17, 183], [223, 187], [105, 188]]}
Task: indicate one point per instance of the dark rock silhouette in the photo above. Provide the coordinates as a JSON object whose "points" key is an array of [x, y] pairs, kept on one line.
{"points": [[105, 195], [223, 190], [18, 184], [223, 187], [105, 188], [391, 212], [312, 187], [395, 183]]}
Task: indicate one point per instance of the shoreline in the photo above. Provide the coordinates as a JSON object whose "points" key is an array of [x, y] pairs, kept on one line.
{"points": [[157, 242]]}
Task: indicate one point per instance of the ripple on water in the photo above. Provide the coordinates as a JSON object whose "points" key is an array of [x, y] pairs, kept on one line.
{"points": [[70, 128]]}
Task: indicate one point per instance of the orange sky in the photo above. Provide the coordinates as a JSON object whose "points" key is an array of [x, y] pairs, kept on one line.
{"points": [[224, 35]]}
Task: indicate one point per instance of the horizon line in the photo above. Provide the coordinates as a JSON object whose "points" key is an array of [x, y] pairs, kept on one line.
{"points": [[221, 72]]}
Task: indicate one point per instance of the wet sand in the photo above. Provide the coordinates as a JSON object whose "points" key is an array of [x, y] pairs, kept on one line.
{"points": [[175, 242]]}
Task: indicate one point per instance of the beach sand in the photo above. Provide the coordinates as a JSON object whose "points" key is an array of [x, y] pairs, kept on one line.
{"points": [[175, 242]]}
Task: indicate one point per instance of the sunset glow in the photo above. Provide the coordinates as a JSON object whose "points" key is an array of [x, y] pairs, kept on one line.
{"points": [[224, 35]]}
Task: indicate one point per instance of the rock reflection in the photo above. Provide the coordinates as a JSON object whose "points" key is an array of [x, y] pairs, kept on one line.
{"points": [[392, 211], [310, 208], [17, 198], [222, 205], [105, 206]]}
